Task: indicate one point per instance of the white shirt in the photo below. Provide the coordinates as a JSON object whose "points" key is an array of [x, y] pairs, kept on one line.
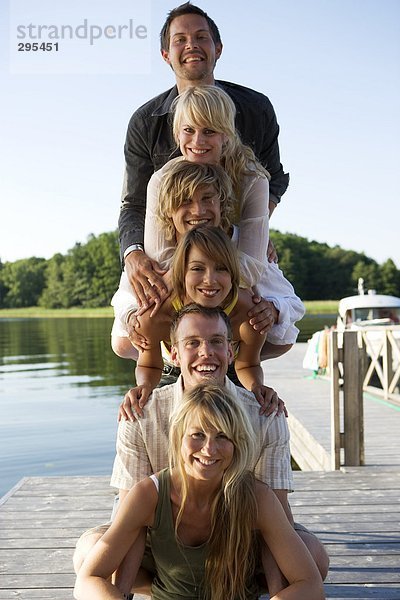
{"points": [[142, 445]]}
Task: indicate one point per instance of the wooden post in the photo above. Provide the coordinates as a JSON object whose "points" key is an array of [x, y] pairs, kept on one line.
{"points": [[335, 413], [387, 359], [352, 400]]}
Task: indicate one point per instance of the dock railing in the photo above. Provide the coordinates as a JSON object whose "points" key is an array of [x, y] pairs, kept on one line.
{"points": [[355, 359], [383, 347]]}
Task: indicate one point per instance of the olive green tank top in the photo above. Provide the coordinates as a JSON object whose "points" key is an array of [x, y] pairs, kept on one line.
{"points": [[180, 569]]}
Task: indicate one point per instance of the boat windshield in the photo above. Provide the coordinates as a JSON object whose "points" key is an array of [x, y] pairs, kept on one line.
{"points": [[387, 315]]}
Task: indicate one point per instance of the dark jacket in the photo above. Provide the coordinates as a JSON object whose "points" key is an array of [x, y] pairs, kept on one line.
{"points": [[149, 145]]}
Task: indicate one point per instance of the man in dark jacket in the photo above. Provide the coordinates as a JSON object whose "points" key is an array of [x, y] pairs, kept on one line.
{"points": [[191, 45]]}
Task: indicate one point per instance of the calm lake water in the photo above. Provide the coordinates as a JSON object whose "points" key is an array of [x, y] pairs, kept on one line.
{"points": [[60, 387]]}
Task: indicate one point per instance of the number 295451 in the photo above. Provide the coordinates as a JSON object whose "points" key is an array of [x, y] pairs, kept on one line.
{"points": [[36, 47]]}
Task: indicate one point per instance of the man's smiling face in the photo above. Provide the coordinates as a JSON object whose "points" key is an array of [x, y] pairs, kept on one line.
{"points": [[203, 209], [202, 349], [192, 52]]}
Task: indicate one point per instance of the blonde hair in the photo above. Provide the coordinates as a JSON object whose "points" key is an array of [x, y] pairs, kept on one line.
{"points": [[216, 245], [181, 180], [209, 106], [230, 559]]}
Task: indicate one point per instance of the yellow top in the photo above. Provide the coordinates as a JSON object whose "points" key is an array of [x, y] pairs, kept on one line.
{"points": [[177, 304]]}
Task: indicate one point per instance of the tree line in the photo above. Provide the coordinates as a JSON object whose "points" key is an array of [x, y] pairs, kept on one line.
{"points": [[88, 274]]}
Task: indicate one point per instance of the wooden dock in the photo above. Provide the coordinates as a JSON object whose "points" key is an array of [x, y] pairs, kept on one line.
{"points": [[355, 511], [308, 402]]}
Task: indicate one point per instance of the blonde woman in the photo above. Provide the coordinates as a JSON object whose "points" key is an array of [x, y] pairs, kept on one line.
{"points": [[204, 516]]}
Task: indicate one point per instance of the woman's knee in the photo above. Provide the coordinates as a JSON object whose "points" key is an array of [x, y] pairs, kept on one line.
{"points": [[317, 551], [85, 543]]}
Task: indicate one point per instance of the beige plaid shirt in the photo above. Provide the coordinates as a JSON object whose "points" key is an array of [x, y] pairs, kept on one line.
{"points": [[142, 445]]}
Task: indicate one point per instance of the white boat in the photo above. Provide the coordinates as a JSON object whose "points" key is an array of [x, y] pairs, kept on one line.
{"points": [[368, 310], [371, 314]]}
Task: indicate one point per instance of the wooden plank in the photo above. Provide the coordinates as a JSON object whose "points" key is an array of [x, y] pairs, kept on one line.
{"points": [[40, 594], [388, 564], [40, 533], [306, 450], [37, 580], [12, 491], [365, 548], [333, 518], [348, 512], [61, 504], [24, 561], [14, 521], [34, 542], [362, 592], [343, 537]]}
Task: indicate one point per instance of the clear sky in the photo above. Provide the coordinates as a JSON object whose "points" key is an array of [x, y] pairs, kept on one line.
{"points": [[330, 67]]}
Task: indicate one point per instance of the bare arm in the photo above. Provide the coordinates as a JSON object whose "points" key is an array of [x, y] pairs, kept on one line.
{"points": [[271, 206], [289, 551], [155, 330], [282, 496], [136, 511], [247, 361]]}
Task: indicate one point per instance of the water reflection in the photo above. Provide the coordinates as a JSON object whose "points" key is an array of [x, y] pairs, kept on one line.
{"points": [[70, 346], [60, 387]]}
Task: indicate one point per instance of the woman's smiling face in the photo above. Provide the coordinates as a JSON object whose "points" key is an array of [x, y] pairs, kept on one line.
{"points": [[206, 452], [206, 282], [201, 144]]}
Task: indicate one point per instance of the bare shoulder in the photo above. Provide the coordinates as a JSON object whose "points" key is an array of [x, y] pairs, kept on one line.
{"points": [[239, 313], [245, 300], [141, 501], [264, 491], [146, 487], [269, 510]]}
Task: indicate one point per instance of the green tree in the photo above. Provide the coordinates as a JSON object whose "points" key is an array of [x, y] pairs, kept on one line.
{"points": [[368, 270], [87, 276], [55, 293], [23, 281], [390, 277], [3, 288], [294, 255], [103, 256]]}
